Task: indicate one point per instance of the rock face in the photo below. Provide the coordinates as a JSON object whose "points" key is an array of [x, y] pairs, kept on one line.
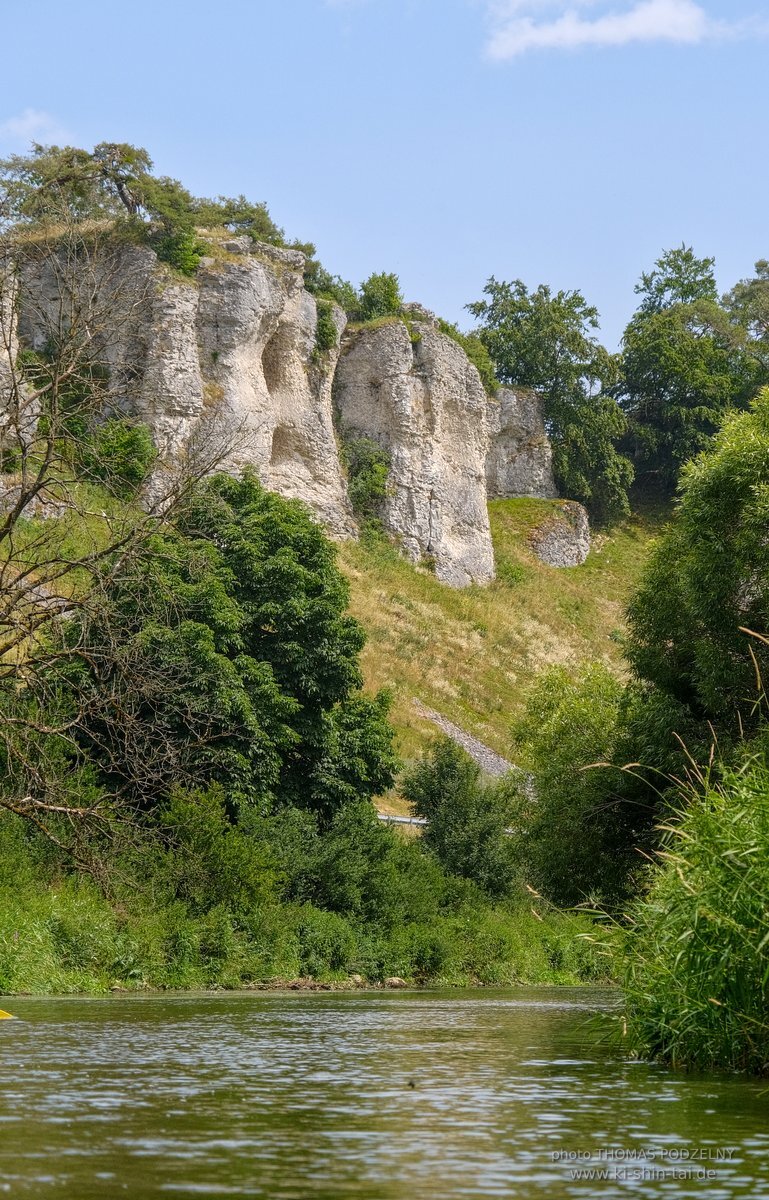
{"points": [[225, 368], [424, 403], [520, 458], [564, 539]]}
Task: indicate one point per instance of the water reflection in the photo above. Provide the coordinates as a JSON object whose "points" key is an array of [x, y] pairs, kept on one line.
{"points": [[476, 1094]]}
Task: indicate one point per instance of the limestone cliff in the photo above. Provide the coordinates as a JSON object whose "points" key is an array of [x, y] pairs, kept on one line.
{"points": [[419, 397], [230, 359], [520, 459]]}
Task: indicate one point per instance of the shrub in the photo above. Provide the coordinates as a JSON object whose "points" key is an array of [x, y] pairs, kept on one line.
{"points": [[368, 468], [380, 296], [327, 943], [577, 833], [708, 579], [326, 332], [322, 283], [181, 249], [119, 454]]}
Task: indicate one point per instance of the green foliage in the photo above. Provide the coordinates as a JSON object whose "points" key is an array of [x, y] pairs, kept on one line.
{"points": [[326, 332], [677, 277], [116, 181], [239, 216], [748, 307], [686, 360], [682, 370], [380, 296], [694, 955], [119, 454], [578, 831], [197, 902], [467, 818], [222, 652], [545, 341], [708, 579], [206, 860], [368, 469], [53, 180], [476, 352], [322, 283], [181, 250]]}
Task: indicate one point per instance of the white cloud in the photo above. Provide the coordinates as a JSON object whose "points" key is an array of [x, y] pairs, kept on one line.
{"points": [[518, 25], [32, 125]]}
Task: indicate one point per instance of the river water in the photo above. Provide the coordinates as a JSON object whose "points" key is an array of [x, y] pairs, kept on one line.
{"points": [[511, 1093]]}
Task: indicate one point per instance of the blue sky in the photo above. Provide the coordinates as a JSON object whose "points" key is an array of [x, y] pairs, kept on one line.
{"points": [[559, 141]]}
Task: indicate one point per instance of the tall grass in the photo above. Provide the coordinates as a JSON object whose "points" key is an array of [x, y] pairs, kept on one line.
{"points": [[696, 955]]}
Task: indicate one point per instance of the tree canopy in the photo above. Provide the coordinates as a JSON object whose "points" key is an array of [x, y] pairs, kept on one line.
{"points": [[708, 579], [685, 363], [546, 341]]}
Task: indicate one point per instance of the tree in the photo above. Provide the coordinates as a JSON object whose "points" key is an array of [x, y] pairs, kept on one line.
{"points": [[70, 289], [748, 307], [467, 819], [677, 277], [708, 580], [217, 650], [684, 364], [115, 182], [380, 296], [578, 831], [545, 341]]}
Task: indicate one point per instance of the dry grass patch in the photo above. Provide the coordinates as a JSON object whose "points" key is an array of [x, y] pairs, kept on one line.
{"points": [[473, 654]]}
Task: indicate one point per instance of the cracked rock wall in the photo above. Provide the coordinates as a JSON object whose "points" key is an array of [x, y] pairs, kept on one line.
{"points": [[423, 401], [224, 367]]}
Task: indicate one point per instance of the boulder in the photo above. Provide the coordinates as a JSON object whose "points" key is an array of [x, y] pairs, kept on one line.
{"points": [[563, 540]]}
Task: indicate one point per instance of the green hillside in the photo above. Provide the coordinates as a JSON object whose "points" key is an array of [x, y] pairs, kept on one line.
{"points": [[472, 654]]}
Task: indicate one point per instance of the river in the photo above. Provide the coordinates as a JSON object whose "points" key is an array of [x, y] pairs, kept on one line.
{"points": [[322, 1096]]}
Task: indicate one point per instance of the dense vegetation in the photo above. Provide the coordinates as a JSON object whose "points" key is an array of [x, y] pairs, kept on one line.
{"points": [[203, 760], [674, 762], [188, 756]]}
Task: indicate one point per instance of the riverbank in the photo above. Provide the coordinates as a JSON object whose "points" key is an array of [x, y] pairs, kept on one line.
{"points": [[69, 938]]}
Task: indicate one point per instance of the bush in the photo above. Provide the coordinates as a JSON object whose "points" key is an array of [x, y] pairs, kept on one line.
{"points": [[181, 249], [120, 455], [467, 819], [326, 332], [368, 469], [380, 296], [323, 284], [695, 954], [327, 943], [708, 579], [576, 836], [209, 860]]}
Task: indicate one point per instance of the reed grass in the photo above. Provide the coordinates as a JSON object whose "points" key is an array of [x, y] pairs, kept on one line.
{"points": [[695, 957]]}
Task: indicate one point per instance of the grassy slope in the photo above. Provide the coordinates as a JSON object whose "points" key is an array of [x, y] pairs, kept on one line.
{"points": [[473, 654]]}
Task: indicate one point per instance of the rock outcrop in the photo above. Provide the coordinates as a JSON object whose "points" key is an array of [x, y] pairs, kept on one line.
{"points": [[227, 367], [520, 459], [563, 540], [224, 365], [418, 396]]}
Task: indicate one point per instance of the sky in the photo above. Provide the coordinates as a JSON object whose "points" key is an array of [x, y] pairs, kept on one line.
{"points": [[566, 142]]}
